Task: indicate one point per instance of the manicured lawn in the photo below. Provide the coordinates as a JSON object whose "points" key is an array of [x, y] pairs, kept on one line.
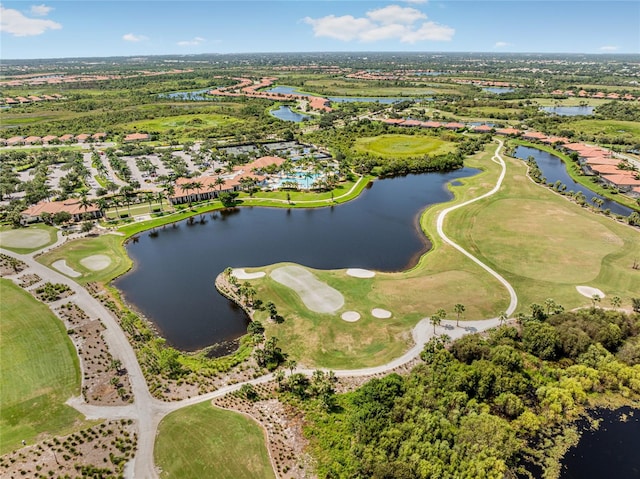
{"points": [[337, 87], [204, 441], [545, 245], [39, 370], [27, 240], [183, 122], [403, 146], [75, 251]]}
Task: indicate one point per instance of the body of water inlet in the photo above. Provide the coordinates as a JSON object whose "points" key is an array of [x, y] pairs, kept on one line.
{"points": [[194, 95], [172, 282], [554, 169], [568, 110]]}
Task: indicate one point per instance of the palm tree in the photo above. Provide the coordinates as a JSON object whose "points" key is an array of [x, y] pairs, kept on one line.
{"points": [[435, 320], [149, 197], [550, 304], [127, 192], [616, 301], [102, 205], [459, 309], [595, 299], [502, 318], [220, 181], [291, 365], [85, 203]]}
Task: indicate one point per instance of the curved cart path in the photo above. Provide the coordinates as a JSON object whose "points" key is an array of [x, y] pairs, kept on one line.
{"points": [[148, 411]]}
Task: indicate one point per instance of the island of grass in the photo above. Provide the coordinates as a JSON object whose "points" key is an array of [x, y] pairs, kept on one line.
{"points": [[403, 146], [205, 441], [39, 370]]}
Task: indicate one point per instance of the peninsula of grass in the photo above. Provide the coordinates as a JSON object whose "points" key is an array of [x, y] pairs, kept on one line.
{"points": [[29, 239], [74, 252], [205, 441], [39, 370], [629, 130], [546, 245], [277, 199], [574, 171], [403, 146]]}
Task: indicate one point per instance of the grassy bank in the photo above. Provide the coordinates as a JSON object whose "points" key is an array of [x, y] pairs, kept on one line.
{"points": [[39, 370]]}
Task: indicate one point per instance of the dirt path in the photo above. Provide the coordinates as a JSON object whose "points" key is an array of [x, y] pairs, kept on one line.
{"points": [[148, 411]]}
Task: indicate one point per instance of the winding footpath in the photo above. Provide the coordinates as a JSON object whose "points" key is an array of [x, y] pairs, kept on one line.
{"points": [[148, 411]]}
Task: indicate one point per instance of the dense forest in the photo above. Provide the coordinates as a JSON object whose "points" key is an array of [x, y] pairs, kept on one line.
{"points": [[493, 406]]}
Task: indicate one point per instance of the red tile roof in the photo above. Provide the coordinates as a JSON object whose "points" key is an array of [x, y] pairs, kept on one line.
{"points": [[71, 206]]}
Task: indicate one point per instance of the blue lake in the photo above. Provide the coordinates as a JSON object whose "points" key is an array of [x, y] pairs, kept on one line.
{"points": [[172, 282], [568, 110], [287, 114], [554, 169], [194, 95], [498, 90]]}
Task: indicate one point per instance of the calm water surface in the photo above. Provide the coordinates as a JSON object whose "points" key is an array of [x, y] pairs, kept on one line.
{"points": [[554, 169], [172, 282], [610, 451], [568, 110], [287, 114], [498, 90]]}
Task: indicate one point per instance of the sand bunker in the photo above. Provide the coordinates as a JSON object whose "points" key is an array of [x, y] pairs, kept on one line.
{"points": [[96, 262], [380, 313], [316, 295], [240, 273], [61, 265], [350, 316], [588, 291], [360, 273], [24, 238]]}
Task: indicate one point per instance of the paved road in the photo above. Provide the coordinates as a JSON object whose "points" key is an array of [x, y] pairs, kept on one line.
{"points": [[148, 411]]}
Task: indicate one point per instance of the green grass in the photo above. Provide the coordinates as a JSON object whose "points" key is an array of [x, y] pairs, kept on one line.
{"points": [[136, 209], [39, 370], [74, 251], [338, 87], [53, 236], [545, 245], [616, 128], [572, 101], [403, 146], [204, 441], [182, 122]]}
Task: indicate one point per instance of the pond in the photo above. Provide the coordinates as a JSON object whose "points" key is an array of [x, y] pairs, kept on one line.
{"points": [[498, 90], [568, 110], [287, 114], [609, 451], [288, 90], [194, 95], [172, 282], [554, 169]]}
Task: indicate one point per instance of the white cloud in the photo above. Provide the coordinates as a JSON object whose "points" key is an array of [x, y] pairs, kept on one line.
{"points": [[15, 23], [191, 43], [608, 48], [40, 10], [396, 14], [130, 37], [415, 1], [502, 45], [405, 24]]}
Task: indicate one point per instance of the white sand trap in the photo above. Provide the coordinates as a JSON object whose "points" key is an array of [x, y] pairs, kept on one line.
{"points": [[61, 265], [588, 291], [380, 313], [96, 262], [350, 316], [316, 295], [24, 238], [240, 273], [360, 273]]}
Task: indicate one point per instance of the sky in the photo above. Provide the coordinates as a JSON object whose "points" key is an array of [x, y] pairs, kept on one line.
{"points": [[85, 28]]}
